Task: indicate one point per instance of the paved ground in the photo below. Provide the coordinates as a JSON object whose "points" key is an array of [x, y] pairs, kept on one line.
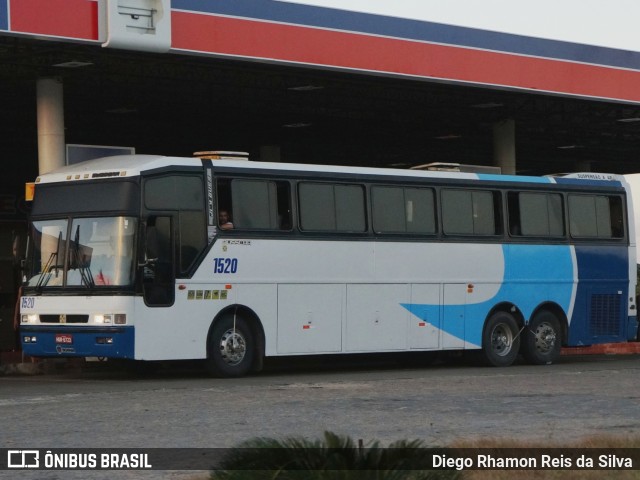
{"points": [[376, 400]]}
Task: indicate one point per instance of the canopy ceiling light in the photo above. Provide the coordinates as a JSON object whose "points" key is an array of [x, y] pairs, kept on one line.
{"points": [[73, 64]]}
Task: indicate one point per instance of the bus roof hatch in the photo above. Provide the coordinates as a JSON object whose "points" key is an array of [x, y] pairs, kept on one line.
{"points": [[221, 155]]}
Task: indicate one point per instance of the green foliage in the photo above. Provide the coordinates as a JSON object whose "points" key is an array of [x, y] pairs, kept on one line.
{"points": [[333, 457]]}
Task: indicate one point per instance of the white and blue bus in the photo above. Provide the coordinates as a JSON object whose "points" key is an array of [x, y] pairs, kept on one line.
{"points": [[231, 261]]}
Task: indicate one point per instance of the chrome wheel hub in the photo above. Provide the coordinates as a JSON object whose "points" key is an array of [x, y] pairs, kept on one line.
{"points": [[233, 347], [501, 340], [545, 338]]}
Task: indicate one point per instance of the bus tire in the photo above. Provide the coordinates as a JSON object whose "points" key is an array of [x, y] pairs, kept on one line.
{"points": [[230, 349], [542, 339], [500, 340]]}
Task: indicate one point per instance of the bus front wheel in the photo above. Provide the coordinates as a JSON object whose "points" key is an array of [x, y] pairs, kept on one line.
{"points": [[231, 347], [500, 340], [542, 339]]}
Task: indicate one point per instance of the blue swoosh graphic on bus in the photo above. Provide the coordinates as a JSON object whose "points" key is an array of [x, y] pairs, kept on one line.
{"points": [[533, 274]]}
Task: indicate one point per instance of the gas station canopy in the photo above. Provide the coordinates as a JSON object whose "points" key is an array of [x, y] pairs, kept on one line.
{"points": [[356, 82]]}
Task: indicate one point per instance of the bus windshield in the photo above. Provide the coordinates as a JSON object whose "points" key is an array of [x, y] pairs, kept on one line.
{"points": [[82, 252]]}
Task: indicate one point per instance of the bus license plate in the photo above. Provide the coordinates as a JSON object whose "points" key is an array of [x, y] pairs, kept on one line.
{"points": [[64, 338]]}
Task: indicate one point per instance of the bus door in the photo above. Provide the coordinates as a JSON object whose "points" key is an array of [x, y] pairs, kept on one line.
{"points": [[157, 264]]}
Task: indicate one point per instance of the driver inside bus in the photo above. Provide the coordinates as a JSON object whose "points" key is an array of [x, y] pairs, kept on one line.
{"points": [[224, 220]]}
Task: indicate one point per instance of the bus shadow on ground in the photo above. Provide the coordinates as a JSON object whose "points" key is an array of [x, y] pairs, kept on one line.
{"points": [[306, 364], [273, 366]]}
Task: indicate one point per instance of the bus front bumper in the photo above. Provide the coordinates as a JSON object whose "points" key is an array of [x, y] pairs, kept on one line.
{"points": [[112, 342]]}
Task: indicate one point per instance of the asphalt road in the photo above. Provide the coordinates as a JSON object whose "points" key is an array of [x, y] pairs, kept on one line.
{"points": [[375, 399]]}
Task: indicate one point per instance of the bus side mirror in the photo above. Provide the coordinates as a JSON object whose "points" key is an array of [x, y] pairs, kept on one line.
{"points": [[19, 254], [148, 262]]}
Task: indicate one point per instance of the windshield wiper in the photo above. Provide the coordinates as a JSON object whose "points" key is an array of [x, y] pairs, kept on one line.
{"points": [[49, 265], [85, 271]]}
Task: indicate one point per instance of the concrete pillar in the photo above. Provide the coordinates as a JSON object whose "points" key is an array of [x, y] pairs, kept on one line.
{"points": [[504, 146], [270, 153], [51, 145]]}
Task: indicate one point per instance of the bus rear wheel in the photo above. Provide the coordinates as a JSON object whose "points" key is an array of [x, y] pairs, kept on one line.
{"points": [[542, 339], [500, 340], [231, 347]]}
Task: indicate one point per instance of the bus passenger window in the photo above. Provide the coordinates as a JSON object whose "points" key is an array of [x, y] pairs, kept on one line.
{"points": [[470, 212], [596, 216], [223, 190], [535, 214], [403, 210], [332, 208], [617, 217], [253, 204], [513, 214]]}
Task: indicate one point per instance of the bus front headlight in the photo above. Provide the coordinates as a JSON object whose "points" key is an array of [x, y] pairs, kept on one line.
{"points": [[30, 318], [110, 318]]}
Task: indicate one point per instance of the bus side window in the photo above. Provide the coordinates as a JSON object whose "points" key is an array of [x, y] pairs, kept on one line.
{"points": [[327, 207], [471, 212], [403, 210], [223, 189], [617, 217], [283, 191], [513, 213], [535, 214], [255, 204], [596, 216], [184, 195]]}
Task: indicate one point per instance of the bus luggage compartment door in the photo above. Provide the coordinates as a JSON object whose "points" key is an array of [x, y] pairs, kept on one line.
{"points": [[453, 321], [310, 318], [376, 318], [424, 323]]}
